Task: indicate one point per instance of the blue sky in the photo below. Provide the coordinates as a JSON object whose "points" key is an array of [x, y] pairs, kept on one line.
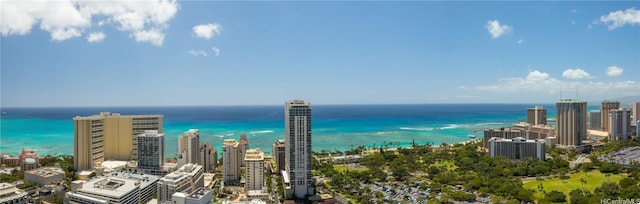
{"points": [[157, 53]]}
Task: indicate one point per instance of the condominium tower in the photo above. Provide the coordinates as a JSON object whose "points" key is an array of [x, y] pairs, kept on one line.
{"points": [[619, 124], [604, 111], [109, 136], [188, 144], [517, 148], [208, 157], [254, 170], [150, 150], [243, 147], [571, 122], [298, 146], [230, 161], [537, 115], [278, 152], [595, 120]]}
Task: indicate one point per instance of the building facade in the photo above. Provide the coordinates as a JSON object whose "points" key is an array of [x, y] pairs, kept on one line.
{"points": [[507, 133], [11, 195], [150, 150], [243, 146], [278, 152], [186, 180], [109, 136], [604, 113], [254, 170], [28, 160], [116, 187], [44, 176], [199, 196], [537, 115], [619, 124], [636, 111], [208, 157], [188, 146], [571, 122], [298, 147], [595, 120], [231, 161], [517, 148]]}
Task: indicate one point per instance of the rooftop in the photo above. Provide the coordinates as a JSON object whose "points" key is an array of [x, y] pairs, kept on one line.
{"points": [[103, 115], [46, 171], [254, 155], [117, 184]]}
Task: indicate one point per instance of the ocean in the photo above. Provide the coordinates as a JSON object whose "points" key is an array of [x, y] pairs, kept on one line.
{"points": [[334, 127]]}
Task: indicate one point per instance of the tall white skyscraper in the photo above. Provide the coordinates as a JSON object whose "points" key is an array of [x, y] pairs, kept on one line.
{"points": [[230, 161], [188, 146], [150, 150], [297, 130], [254, 170]]}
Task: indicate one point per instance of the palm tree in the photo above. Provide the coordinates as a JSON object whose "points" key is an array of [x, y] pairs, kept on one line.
{"points": [[583, 181]]}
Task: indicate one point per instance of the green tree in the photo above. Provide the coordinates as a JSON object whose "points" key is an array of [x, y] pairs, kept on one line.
{"points": [[630, 192], [609, 190], [626, 182], [579, 196], [556, 196]]}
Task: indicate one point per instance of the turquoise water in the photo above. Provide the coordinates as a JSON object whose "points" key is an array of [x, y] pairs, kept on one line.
{"points": [[50, 130]]}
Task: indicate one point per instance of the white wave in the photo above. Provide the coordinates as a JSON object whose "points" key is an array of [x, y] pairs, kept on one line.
{"points": [[220, 136], [227, 135], [489, 123], [419, 129], [386, 132], [451, 126], [261, 132]]}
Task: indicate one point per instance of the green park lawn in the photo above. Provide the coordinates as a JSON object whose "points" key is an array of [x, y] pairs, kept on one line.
{"points": [[342, 168], [447, 164], [593, 178]]}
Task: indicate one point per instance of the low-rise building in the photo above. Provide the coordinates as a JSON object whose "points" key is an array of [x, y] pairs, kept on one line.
{"points": [[186, 180], [44, 176], [507, 133], [517, 148], [11, 195], [116, 187], [199, 196]]}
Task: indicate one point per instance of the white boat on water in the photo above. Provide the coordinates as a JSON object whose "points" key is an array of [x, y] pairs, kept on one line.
{"points": [[471, 136]]}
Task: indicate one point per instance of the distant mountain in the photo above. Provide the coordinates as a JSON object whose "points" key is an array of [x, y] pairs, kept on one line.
{"points": [[628, 100]]}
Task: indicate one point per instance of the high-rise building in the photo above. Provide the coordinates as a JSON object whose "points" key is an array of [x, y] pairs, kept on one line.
{"points": [[254, 171], [506, 133], [517, 148], [150, 150], [208, 157], [278, 152], [244, 146], [595, 120], [188, 144], [636, 111], [297, 130], [116, 187], [604, 113], [619, 124], [109, 136], [571, 122], [537, 115], [230, 161], [187, 179]]}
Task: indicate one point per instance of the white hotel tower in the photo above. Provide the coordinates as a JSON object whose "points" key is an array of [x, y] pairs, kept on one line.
{"points": [[297, 129]]}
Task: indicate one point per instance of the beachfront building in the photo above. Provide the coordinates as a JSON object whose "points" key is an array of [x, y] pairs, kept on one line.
{"points": [[619, 124], [537, 115], [150, 150], [243, 146], [109, 136], [116, 187], [231, 161], [604, 113], [186, 180], [507, 133], [571, 123], [517, 148], [188, 147], [208, 157], [44, 176], [297, 129], [254, 170], [28, 160], [278, 152], [199, 196], [595, 120], [10, 194], [535, 132]]}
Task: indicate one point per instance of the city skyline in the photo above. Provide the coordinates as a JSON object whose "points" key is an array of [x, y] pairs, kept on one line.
{"points": [[245, 53]]}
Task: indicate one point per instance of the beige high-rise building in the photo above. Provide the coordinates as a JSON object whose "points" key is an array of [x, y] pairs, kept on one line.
{"points": [[604, 111], [188, 146], [244, 146], [231, 161], [571, 122], [208, 157], [254, 171], [109, 136], [537, 115], [636, 111]]}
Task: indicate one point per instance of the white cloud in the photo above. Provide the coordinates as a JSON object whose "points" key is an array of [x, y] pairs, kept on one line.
{"points": [[216, 51], [620, 18], [575, 74], [207, 31], [66, 19], [539, 86], [154, 37], [198, 53], [520, 41], [574, 11], [496, 30], [96, 37], [614, 71]]}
